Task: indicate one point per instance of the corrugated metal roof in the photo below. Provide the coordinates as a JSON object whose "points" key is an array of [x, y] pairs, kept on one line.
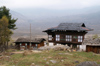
{"points": [[71, 27]]}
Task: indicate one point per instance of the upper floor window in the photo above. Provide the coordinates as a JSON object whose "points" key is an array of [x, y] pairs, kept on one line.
{"points": [[80, 38], [57, 37], [50, 37], [68, 38]]}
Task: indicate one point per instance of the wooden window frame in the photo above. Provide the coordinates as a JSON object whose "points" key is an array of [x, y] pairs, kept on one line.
{"points": [[69, 38], [57, 37], [49, 37], [80, 38]]}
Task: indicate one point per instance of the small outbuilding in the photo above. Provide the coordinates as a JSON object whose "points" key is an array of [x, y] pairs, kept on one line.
{"points": [[93, 48], [26, 43], [91, 45]]}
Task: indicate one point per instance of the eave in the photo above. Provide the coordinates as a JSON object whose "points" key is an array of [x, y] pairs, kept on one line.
{"points": [[28, 42]]}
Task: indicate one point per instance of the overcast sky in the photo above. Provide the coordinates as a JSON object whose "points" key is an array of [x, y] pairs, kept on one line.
{"points": [[49, 4], [44, 8]]}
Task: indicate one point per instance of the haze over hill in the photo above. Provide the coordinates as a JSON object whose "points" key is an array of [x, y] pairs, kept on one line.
{"points": [[44, 18]]}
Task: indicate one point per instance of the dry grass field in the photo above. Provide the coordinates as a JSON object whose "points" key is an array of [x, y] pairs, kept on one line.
{"points": [[46, 58]]}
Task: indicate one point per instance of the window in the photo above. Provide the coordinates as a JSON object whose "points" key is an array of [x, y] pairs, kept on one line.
{"points": [[50, 37], [80, 38], [68, 38], [36, 45], [57, 37]]}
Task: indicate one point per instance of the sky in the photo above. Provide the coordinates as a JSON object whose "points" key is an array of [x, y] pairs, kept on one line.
{"points": [[43, 8], [49, 4]]}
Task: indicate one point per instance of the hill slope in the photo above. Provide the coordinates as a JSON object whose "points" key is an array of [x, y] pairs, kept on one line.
{"points": [[91, 19]]}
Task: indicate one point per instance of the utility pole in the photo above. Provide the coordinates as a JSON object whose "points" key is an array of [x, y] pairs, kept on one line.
{"points": [[30, 35], [30, 32]]}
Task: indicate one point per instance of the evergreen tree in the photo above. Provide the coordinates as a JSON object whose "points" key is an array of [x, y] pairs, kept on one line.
{"points": [[7, 24], [5, 32], [6, 12]]}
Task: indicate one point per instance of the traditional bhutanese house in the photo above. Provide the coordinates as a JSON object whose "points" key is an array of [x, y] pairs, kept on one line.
{"points": [[67, 33], [26, 43]]}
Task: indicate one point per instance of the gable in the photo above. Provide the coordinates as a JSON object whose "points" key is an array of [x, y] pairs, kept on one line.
{"points": [[83, 25]]}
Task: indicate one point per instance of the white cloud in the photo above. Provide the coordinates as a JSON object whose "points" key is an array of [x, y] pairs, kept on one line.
{"points": [[49, 4]]}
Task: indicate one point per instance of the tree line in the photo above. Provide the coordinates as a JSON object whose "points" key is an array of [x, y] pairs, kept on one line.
{"points": [[7, 24]]}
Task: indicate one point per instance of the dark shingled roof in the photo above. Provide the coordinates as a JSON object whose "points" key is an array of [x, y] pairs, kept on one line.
{"points": [[70, 27], [39, 40]]}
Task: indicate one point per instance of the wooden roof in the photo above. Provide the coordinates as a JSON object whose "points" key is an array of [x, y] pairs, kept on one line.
{"points": [[70, 27], [38, 40]]}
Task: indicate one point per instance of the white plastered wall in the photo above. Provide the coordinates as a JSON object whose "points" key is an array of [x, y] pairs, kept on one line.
{"points": [[51, 44], [82, 47]]}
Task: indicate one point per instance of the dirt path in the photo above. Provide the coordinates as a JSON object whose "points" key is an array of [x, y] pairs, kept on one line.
{"points": [[20, 52]]}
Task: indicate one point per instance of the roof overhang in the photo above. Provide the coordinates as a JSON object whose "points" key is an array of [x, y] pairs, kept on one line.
{"points": [[28, 42]]}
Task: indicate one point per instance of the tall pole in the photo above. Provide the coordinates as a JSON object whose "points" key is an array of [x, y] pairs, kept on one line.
{"points": [[30, 35], [30, 32]]}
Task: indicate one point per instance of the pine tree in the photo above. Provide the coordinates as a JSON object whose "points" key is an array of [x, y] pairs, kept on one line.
{"points": [[5, 32], [7, 24], [6, 12]]}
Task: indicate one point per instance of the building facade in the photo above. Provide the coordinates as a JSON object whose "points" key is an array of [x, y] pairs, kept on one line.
{"points": [[25, 43], [67, 33], [93, 48]]}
